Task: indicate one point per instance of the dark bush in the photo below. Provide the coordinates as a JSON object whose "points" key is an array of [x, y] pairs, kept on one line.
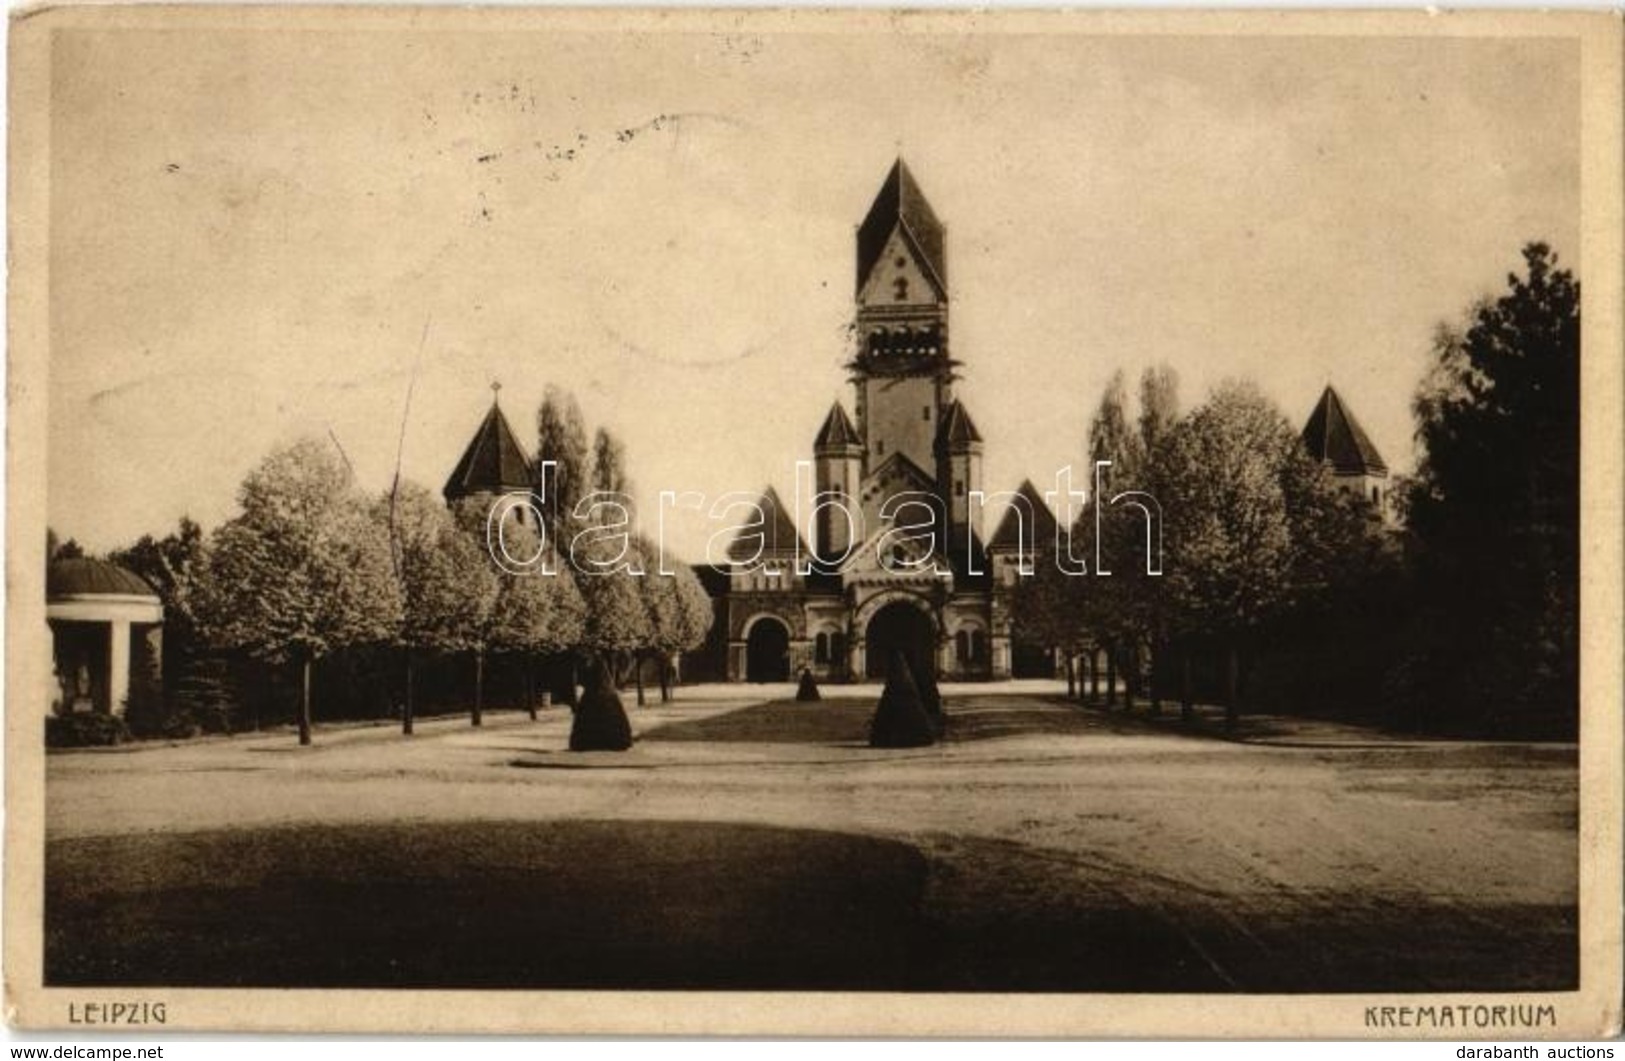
{"points": [[85, 729], [925, 677], [600, 723], [901, 721]]}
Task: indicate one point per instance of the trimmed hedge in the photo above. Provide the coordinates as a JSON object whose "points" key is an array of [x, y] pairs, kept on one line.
{"points": [[85, 729], [600, 723], [900, 720]]}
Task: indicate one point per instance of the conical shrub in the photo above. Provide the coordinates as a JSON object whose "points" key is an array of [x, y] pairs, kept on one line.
{"points": [[600, 723], [807, 691], [925, 677], [900, 721]]}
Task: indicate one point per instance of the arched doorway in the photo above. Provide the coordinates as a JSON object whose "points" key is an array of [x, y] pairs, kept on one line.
{"points": [[900, 625], [767, 651]]}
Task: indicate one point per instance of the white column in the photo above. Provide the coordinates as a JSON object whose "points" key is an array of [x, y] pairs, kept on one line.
{"points": [[118, 665]]}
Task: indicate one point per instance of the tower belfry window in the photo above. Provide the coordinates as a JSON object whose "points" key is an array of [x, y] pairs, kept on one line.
{"points": [[900, 289]]}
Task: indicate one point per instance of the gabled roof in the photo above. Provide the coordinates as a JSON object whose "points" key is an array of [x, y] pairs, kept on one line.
{"points": [[867, 562], [1334, 437], [1009, 537], [838, 431], [897, 467], [901, 203], [494, 460], [956, 430], [776, 533]]}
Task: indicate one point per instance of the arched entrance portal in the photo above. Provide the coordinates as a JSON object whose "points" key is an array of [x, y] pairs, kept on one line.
{"points": [[900, 625], [767, 651]]}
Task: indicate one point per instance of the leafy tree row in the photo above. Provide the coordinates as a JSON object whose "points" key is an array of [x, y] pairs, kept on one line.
{"points": [[310, 566], [1462, 617], [1249, 526]]}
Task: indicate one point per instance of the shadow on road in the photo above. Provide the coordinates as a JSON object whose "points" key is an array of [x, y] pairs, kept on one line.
{"points": [[719, 905], [846, 721]]}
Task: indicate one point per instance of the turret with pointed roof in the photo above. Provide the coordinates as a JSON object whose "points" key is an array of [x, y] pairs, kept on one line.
{"points": [[958, 433], [959, 471], [1334, 437], [838, 454], [493, 463], [838, 434]]}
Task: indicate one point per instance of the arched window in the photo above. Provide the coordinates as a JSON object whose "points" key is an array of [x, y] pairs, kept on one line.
{"points": [[976, 646], [962, 646], [900, 289], [1376, 496], [821, 649], [837, 647]]}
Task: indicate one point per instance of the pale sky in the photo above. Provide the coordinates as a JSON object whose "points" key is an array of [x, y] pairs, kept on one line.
{"points": [[252, 232]]}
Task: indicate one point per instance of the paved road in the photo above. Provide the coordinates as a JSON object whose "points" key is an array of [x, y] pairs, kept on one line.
{"points": [[1043, 846]]}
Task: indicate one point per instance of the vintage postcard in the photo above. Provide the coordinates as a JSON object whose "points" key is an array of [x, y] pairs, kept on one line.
{"points": [[816, 523]]}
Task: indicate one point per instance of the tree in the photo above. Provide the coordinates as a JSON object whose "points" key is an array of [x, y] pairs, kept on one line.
{"points": [[561, 437], [1159, 407], [618, 624], [198, 691], [1231, 561], [537, 615], [447, 585], [1112, 605], [1493, 508], [609, 468], [1047, 607], [680, 616], [1110, 437], [1159, 413], [56, 549], [302, 570]]}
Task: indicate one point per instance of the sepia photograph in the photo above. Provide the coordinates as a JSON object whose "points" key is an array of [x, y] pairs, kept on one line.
{"points": [[814, 522]]}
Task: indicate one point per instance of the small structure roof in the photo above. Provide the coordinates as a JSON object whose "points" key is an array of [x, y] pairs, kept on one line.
{"points": [[957, 431], [85, 577], [838, 431], [494, 460], [1334, 437]]}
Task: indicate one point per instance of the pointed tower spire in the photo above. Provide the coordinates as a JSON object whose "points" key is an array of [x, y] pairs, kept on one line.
{"points": [[957, 433], [1334, 437], [838, 432], [900, 205], [494, 461]]}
